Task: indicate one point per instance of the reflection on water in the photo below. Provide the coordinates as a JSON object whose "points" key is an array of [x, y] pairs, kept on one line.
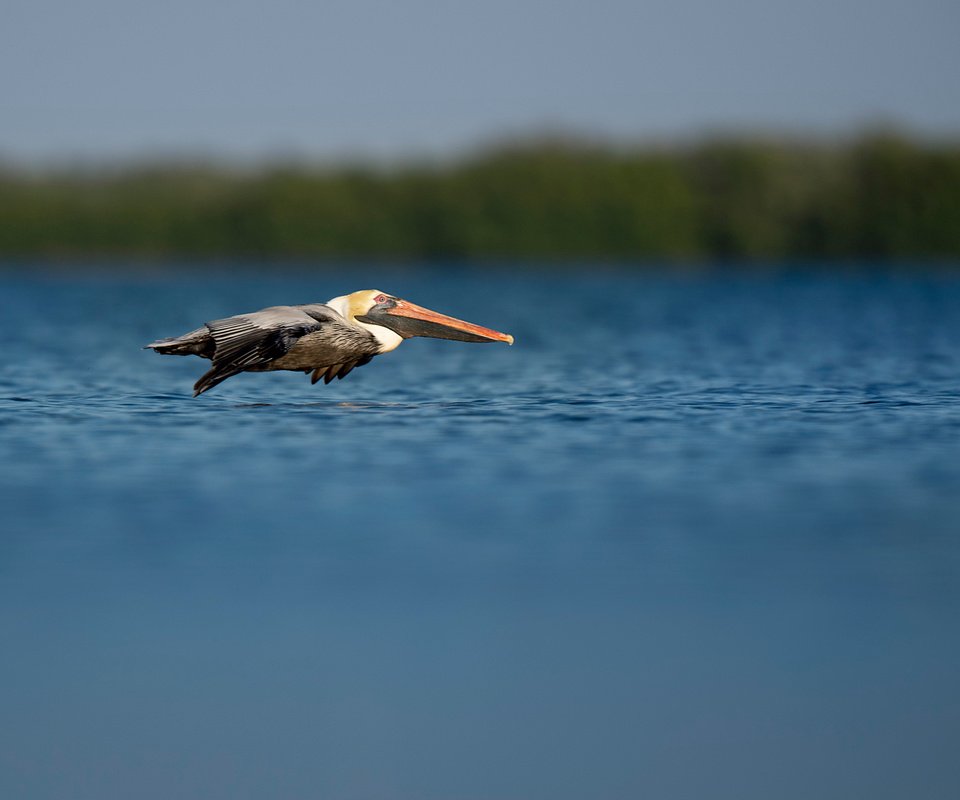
{"points": [[690, 537]]}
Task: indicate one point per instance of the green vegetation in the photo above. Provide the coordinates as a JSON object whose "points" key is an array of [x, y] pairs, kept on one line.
{"points": [[880, 196]]}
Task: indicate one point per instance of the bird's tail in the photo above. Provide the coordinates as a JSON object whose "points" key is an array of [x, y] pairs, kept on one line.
{"points": [[196, 343]]}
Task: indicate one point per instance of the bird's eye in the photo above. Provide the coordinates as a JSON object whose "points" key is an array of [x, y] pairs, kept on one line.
{"points": [[380, 298]]}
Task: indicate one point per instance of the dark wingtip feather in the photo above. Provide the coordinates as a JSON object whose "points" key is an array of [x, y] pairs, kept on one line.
{"points": [[210, 379]]}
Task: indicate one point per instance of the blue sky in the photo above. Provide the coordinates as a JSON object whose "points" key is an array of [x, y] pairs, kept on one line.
{"points": [[107, 79]]}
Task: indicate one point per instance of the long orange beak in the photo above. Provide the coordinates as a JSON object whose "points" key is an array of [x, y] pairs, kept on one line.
{"points": [[418, 321]]}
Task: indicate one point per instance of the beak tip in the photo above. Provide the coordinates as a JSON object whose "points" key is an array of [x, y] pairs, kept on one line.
{"points": [[509, 339]]}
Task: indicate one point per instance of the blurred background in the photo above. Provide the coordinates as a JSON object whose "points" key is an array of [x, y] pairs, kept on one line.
{"points": [[685, 131], [695, 534]]}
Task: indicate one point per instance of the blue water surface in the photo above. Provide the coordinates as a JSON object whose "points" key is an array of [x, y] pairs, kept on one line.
{"points": [[692, 536]]}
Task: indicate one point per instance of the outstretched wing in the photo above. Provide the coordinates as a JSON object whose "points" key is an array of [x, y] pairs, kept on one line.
{"points": [[251, 340]]}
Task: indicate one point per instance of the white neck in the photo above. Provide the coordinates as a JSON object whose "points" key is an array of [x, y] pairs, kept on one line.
{"points": [[387, 339]]}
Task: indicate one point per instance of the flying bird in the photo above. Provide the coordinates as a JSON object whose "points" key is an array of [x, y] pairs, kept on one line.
{"points": [[326, 340]]}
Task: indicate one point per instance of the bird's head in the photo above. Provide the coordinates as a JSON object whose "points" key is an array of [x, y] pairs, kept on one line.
{"points": [[405, 319]]}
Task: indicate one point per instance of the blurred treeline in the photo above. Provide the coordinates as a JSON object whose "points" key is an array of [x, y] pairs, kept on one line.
{"points": [[878, 196]]}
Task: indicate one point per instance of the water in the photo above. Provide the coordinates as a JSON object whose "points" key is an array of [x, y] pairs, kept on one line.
{"points": [[692, 536]]}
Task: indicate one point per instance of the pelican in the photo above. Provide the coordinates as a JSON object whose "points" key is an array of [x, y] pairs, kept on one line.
{"points": [[325, 339]]}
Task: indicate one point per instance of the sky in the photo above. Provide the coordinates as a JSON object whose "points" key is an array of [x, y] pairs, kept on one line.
{"points": [[120, 79]]}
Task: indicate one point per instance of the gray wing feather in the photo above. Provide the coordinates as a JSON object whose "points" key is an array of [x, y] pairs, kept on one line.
{"points": [[251, 340]]}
